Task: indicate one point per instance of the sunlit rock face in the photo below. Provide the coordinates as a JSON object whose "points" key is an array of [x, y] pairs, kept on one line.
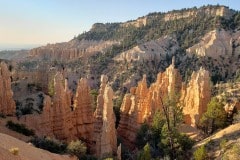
{"points": [[83, 112], [195, 96], [61, 102], [67, 117], [104, 127], [152, 50], [141, 103], [217, 43]]}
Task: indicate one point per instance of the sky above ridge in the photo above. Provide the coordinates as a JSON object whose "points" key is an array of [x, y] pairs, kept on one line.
{"points": [[28, 23]]}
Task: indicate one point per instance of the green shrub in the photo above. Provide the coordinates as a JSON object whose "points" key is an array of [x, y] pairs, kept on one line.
{"points": [[77, 148], [223, 143], [20, 128], [147, 152], [200, 153], [185, 142], [49, 144]]}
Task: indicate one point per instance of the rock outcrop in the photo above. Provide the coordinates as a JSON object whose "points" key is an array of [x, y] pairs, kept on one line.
{"points": [[67, 119], [119, 152], [108, 133], [7, 104], [196, 96], [61, 108], [152, 50], [47, 117], [56, 118], [104, 127], [83, 112], [221, 11], [142, 102], [214, 44], [70, 50], [140, 22]]}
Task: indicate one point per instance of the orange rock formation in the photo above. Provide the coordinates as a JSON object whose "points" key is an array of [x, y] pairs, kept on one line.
{"points": [[142, 102], [66, 119], [105, 132], [7, 104], [196, 96], [61, 109], [83, 112]]}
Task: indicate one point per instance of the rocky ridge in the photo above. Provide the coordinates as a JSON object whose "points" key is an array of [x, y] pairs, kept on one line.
{"points": [[70, 50], [221, 11], [140, 22]]}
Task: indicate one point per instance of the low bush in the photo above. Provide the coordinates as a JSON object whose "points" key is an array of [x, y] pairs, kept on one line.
{"points": [[20, 128], [14, 150], [77, 148], [49, 144], [200, 153]]}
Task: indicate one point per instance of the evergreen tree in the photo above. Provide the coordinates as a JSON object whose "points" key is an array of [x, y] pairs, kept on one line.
{"points": [[215, 117]]}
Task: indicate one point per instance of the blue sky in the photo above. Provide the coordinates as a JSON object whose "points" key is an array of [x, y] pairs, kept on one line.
{"points": [[30, 22]]}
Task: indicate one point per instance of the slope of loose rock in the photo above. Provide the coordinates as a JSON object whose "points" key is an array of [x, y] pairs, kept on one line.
{"points": [[215, 145], [216, 43], [26, 151], [155, 49]]}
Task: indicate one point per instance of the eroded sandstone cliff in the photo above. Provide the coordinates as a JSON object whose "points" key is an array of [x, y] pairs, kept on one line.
{"points": [[196, 96], [83, 112], [70, 50], [105, 132], [152, 50], [221, 11], [67, 118], [214, 44], [7, 104], [142, 102]]}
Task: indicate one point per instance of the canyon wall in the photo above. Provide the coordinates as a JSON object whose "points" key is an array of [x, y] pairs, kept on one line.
{"points": [[70, 50], [221, 11]]}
